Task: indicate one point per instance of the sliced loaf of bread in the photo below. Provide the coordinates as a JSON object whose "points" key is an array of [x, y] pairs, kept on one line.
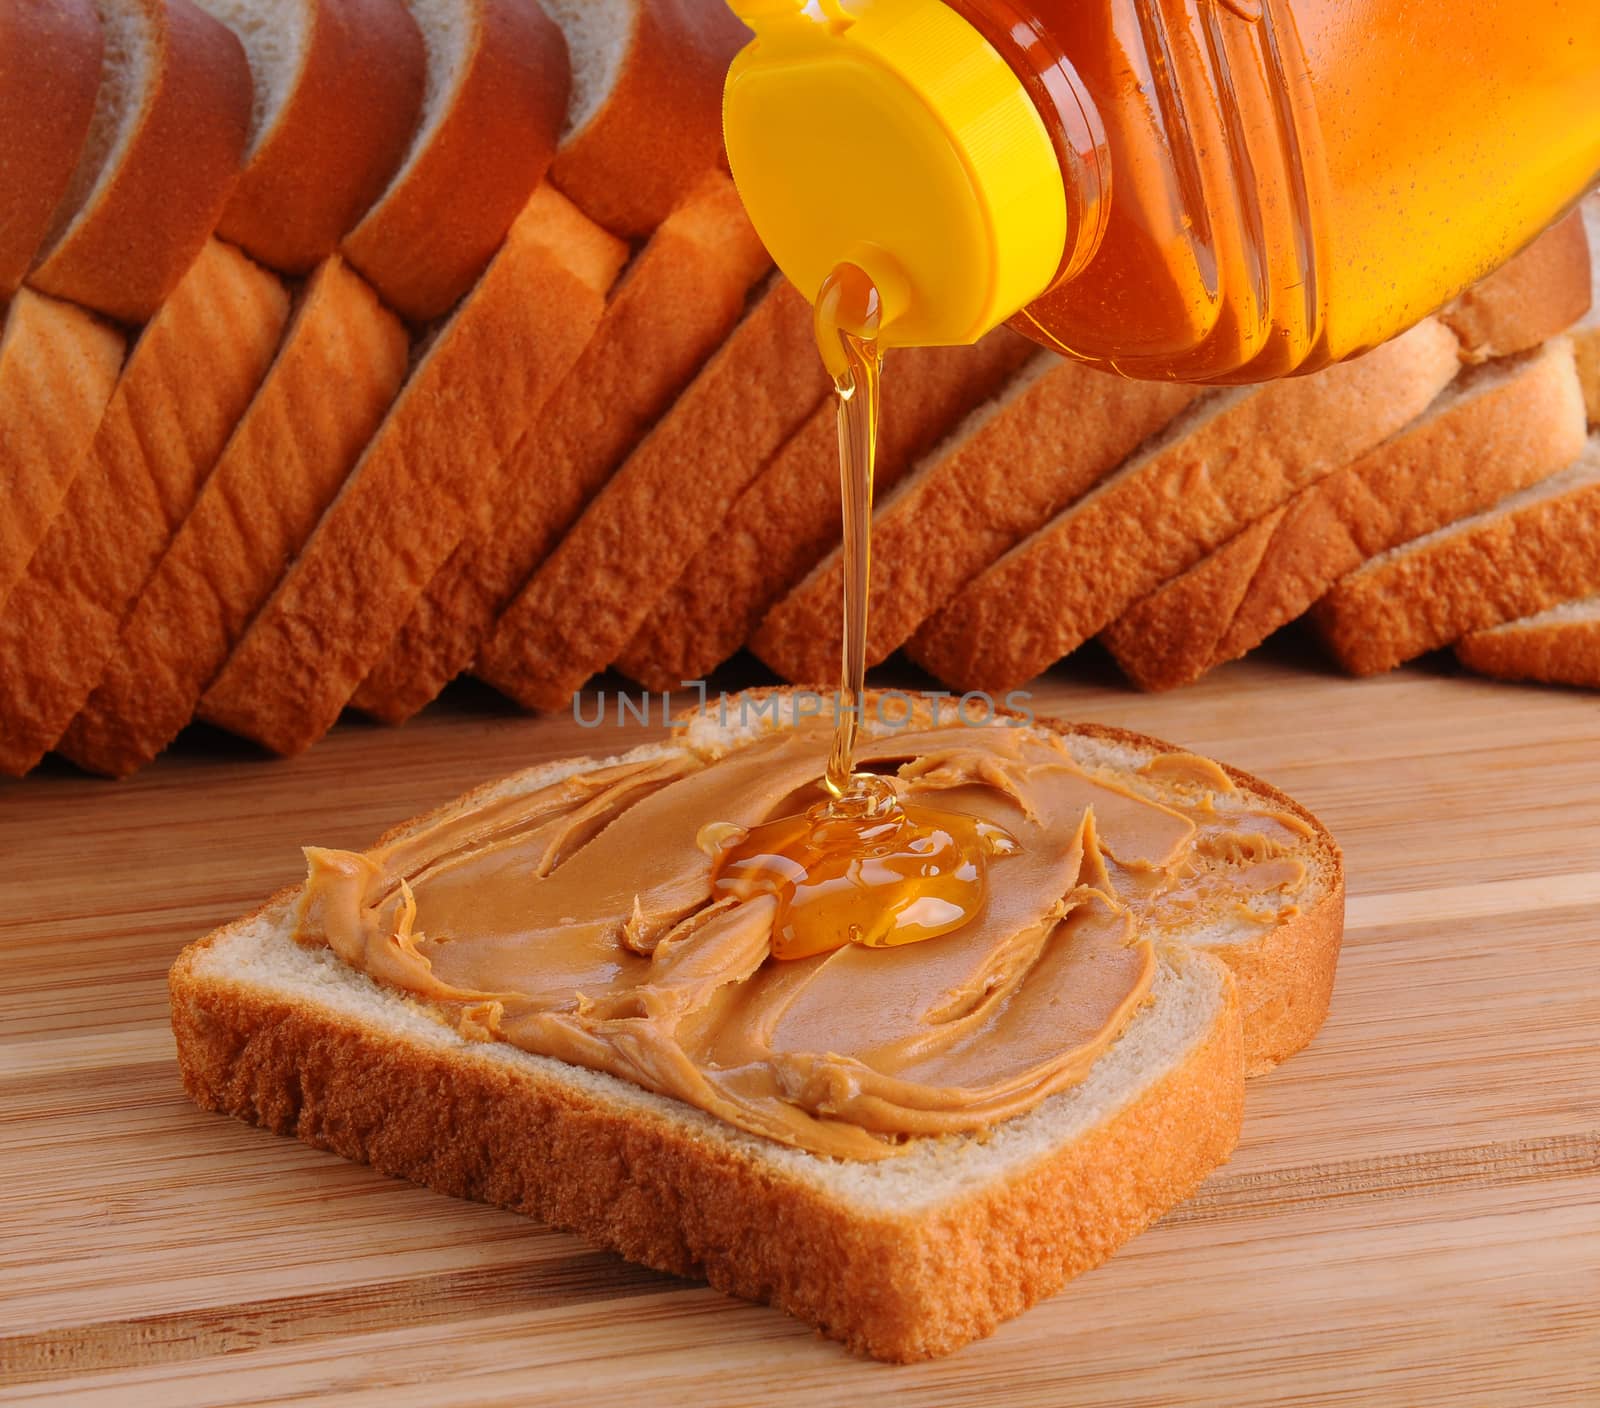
{"points": [[282, 466], [189, 378], [338, 90], [58, 365], [676, 304], [163, 152], [481, 381], [1557, 646], [1496, 429], [1230, 459], [581, 608], [493, 105], [1535, 549]]}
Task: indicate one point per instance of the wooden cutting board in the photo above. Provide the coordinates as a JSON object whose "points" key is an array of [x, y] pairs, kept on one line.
{"points": [[1413, 1218]]}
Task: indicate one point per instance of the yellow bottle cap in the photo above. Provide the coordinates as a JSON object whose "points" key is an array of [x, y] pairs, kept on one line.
{"points": [[891, 134]]}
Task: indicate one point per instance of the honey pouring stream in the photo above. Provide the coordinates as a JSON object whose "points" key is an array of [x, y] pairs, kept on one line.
{"points": [[862, 866]]}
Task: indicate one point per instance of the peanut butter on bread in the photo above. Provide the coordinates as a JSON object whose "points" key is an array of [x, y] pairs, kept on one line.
{"points": [[579, 921]]}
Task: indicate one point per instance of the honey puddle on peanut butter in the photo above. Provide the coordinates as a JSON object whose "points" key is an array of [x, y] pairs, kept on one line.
{"points": [[862, 866]]}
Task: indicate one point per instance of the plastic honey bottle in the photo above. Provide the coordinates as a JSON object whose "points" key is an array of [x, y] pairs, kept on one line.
{"points": [[1203, 190]]}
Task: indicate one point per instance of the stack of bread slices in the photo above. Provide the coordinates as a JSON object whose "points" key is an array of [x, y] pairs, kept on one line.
{"points": [[353, 345], [1417, 496]]}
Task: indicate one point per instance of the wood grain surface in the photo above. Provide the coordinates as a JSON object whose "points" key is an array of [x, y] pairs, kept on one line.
{"points": [[1413, 1218]]}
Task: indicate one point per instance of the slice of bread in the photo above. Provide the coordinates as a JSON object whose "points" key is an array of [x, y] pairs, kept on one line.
{"points": [[49, 75], [1539, 293], [58, 365], [480, 383], [645, 124], [903, 1258], [188, 379], [1496, 429], [338, 89], [678, 302], [282, 466], [169, 129], [1586, 336], [1231, 458], [581, 608], [1534, 550], [787, 519], [1054, 432], [492, 108], [1558, 646]]}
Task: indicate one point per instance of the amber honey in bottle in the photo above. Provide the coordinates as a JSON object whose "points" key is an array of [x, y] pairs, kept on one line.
{"points": [[1207, 190]]}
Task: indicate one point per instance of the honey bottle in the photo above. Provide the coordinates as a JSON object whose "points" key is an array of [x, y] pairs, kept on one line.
{"points": [[1199, 190]]}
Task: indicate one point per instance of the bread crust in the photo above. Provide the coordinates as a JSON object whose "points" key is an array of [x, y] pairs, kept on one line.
{"points": [[440, 222], [58, 366], [1540, 292], [983, 492], [583, 605], [899, 1288], [1553, 652], [659, 131], [1496, 569], [283, 463], [1239, 457], [673, 309], [187, 382], [338, 138], [49, 75], [405, 505], [126, 250], [1464, 459]]}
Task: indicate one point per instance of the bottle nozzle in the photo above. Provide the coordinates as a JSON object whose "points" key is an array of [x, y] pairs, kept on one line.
{"points": [[848, 308], [895, 137]]}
